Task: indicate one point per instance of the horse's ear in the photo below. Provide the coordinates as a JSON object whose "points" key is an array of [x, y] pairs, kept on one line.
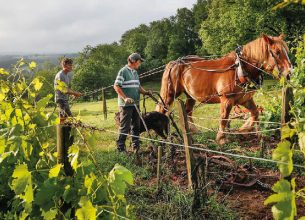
{"points": [[282, 36], [267, 39]]}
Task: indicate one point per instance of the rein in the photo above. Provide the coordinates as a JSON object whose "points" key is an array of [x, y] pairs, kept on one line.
{"points": [[180, 61]]}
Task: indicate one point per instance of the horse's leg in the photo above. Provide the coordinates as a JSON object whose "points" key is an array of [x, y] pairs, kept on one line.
{"points": [[189, 105], [225, 108], [249, 124]]}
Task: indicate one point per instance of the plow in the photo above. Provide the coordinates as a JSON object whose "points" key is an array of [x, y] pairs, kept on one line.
{"points": [[228, 173]]}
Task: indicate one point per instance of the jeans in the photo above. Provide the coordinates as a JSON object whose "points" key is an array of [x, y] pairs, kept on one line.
{"points": [[64, 108]]}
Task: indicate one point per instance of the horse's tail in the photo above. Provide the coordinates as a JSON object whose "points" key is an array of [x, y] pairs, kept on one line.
{"points": [[166, 89]]}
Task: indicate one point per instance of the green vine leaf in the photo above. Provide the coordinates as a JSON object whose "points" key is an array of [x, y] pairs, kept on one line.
{"points": [[37, 84], [49, 192], [118, 177], [283, 154], [61, 86], [55, 171], [49, 215], [87, 211], [285, 207], [42, 103], [22, 183], [302, 141], [73, 155], [3, 72], [2, 96], [287, 132], [70, 194], [23, 216], [32, 65], [89, 180]]}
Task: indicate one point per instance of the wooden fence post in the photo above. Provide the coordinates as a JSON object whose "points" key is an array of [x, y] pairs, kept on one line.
{"points": [[159, 166], [199, 185], [187, 142], [64, 141], [287, 101], [104, 104]]}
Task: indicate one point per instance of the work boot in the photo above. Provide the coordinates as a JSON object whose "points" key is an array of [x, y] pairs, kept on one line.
{"points": [[121, 148]]}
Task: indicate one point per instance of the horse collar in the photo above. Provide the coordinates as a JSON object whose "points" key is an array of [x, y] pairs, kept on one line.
{"points": [[240, 73]]}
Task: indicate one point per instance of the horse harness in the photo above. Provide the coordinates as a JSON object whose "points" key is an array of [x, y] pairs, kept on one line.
{"points": [[242, 77]]}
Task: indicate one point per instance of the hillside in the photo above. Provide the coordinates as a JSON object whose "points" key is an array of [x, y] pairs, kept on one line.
{"points": [[7, 60]]}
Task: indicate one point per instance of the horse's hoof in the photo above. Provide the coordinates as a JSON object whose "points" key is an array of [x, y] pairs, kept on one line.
{"points": [[222, 141], [193, 128], [219, 136], [246, 129]]}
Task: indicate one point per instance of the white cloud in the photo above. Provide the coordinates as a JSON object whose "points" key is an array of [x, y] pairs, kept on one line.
{"points": [[68, 25]]}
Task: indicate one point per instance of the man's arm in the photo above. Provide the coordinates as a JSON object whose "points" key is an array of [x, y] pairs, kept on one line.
{"points": [[74, 93], [119, 91], [144, 92]]}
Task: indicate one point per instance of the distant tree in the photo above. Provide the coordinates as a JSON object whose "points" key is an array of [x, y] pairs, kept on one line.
{"points": [[237, 22], [97, 67], [240, 21], [135, 40], [200, 11], [294, 15], [158, 41], [184, 39]]}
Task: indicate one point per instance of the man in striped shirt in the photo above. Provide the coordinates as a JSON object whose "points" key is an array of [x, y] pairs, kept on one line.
{"points": [[127, 85]]}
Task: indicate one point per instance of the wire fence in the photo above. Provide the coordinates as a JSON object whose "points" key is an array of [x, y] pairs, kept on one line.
{"points": [[168, 143]]}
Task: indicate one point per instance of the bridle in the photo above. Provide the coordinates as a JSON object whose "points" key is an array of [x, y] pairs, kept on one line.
{"points": [[268, 66]]}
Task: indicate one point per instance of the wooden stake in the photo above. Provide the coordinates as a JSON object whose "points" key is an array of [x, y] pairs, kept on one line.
{"points": [[159, 166], [287, 101], [64, 141], [199, 185], [187, 142], [104, 104]]}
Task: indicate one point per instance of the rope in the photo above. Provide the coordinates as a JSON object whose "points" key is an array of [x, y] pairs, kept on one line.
{"points": [[141, 76]]}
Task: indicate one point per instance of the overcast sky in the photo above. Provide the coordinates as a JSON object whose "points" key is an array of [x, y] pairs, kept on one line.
{"points": [[56, 26]]}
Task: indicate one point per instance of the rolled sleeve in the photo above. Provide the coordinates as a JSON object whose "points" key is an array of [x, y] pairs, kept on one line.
{"points": [[119, 79]]}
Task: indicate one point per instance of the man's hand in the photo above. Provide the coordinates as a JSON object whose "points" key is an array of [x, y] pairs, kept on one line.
{"points": [[128, 100], [77, 94]]}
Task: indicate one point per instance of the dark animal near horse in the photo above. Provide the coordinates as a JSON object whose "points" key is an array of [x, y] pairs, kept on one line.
{"points": [[153, 120]]}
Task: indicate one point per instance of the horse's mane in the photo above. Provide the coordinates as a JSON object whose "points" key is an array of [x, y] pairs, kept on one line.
{"points": [[258, 49]]}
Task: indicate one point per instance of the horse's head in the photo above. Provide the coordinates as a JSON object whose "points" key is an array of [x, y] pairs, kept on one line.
{"points": [[277, 56], [270, 53]]}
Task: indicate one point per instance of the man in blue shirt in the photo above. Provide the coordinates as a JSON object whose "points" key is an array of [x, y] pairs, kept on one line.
{"points": [[128, 88]]}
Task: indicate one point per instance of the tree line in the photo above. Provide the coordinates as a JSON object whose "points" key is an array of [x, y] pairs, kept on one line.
{"points": [[210, 27]]}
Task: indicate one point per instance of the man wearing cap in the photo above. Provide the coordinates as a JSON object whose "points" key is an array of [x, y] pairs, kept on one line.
{"points": [[128, 88]]}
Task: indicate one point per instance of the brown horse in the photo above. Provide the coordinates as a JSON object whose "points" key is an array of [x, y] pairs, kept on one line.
{"points": [[224, 80]]}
